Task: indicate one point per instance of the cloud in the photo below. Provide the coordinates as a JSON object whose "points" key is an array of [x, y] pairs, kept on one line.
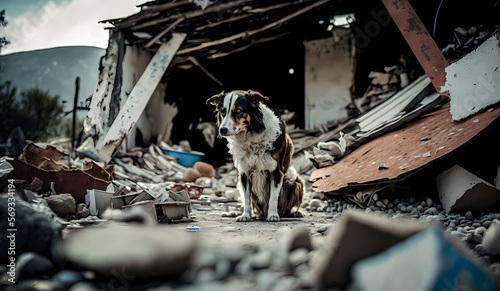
{"points": [[69, 23]]}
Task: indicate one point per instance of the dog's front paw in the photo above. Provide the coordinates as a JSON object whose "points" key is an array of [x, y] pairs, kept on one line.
{"points": [[273, 217], [243, 218]]}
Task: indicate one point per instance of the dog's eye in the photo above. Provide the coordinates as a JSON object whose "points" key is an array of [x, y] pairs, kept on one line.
{"points": [[239, 110], [223, 111]]}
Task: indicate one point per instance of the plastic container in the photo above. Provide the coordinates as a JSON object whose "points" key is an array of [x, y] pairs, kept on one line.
{"points": [[187, 159]]}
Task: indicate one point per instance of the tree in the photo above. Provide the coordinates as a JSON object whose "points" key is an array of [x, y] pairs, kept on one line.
{"points": [[3, 22], [37, 112]]}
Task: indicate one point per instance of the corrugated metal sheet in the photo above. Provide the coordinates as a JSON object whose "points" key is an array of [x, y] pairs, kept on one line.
{"points": [[403, 151]]}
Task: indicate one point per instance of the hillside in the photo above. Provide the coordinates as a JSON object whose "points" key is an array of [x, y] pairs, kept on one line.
{"points": [[55, 70]]}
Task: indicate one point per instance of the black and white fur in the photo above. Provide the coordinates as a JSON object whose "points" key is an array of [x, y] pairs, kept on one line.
{"points": [[262, 153]]}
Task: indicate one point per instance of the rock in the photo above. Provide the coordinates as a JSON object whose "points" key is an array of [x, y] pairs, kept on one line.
{"points": [[63, 280], [37, 231], [315, 203], [262, 259], [266, 279], [297, 237], [428, 201], [62, 204], [468, 215], [299, 256], [475, 238], [84, 286], [487, 223], [431, 211], [495, 269], [137, 251], [480, 230], [491, 239], [30, 263], [420, 208], [222, 269]]}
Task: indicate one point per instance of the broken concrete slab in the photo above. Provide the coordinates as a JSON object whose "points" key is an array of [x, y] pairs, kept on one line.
{"points": [[461, 191], [474, 81], [357, 236], [137, 251], [399, 268]]}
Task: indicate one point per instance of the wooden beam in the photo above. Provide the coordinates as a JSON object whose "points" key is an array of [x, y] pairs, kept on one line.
{"points": [[109, 141], [421, 43], [252, 32], [151, 42], [219, 55], [190, 15]]}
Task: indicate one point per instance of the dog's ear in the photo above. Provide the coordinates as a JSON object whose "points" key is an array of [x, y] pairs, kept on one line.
{"points": [[256, 97], [214, 100]]}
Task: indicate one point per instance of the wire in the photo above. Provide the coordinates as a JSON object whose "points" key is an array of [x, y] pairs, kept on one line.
{"points": [[435, 19]]}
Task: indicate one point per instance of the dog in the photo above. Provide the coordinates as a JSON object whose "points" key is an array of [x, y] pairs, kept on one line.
{"points": [[262, 154]]}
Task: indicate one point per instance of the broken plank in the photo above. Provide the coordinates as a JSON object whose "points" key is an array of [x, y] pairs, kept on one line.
{"points": [[151, 42], [421, 43], [252, 32], [138, 98]]}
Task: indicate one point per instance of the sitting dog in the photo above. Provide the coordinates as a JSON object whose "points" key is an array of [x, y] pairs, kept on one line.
{"points": [[262, 152]]}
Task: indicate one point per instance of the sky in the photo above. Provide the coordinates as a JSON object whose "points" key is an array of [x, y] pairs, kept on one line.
{"points": [[40, 24]]}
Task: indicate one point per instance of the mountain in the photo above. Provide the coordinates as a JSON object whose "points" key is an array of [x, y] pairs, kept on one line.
{"points": [[55, 70]]}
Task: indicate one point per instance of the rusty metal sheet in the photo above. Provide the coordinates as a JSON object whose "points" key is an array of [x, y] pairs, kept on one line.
{"points": [[421, 43], [403, 151]]}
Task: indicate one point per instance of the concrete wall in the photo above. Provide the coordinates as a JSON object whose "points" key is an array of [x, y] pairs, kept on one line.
{"points": [[328, 77]]}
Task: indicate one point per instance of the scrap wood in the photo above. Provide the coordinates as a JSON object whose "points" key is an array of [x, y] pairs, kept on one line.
{"points": [[73, 181], [35, 155]]}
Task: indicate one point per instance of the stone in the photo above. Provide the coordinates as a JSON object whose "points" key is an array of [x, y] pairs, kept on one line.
{"points": [[38, 231], [297, 237], [420, 208], [139, 251], [431, 211], [495, 269], [476, 238], [299, 256], [62, 204], [86, 286], [491, 239], [428, 201], [30, 263], [468, 215], [63, 280], [487, 223], [315, 203], [262, 259], [266, 279]]}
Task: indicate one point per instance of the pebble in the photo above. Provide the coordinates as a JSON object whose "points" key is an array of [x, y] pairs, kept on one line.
{"points": [[487, 223], [468, 215], [299, 256], [380, 204], [262, 259], [420, 208], [315, 203], [431, 211], [428, 201]]}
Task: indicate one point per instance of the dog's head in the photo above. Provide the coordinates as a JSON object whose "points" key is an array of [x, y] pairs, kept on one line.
{"points": [[238, 112]]}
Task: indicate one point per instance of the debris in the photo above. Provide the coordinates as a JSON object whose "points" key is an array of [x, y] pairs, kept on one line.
{"points": [[62, 204], [137, 251], [473, 80], [5, 167], [357, 236], [383, 167], [296, 238], [143, 212], [191, 175], [39, 163], [491, 239], [98, 201], [205, 169], [461, 191], [192, 228], [38, 231], [31, 264], [429, 270]]}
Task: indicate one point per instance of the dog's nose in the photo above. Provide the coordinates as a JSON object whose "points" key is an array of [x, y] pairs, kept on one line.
{"points": [[223, 130]]}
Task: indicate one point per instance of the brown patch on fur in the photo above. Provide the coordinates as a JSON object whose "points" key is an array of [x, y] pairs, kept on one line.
{"points": [[292, 192]]}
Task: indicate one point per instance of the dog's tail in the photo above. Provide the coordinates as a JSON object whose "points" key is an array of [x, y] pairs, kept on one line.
{"points": [[293, 192]]}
